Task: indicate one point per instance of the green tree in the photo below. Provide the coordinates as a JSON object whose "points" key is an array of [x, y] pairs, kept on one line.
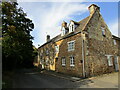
{"points": [[17, 48]]}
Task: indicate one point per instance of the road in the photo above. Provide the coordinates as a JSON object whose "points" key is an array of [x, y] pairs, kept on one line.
{"points": [[30, 79]]}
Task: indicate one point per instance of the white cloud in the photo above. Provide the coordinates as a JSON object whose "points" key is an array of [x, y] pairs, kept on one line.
{"points": [[113, 26], [48, 17], [52, 18]]}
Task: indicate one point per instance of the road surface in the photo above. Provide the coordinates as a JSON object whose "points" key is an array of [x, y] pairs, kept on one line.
{"points": [[30, 79]]}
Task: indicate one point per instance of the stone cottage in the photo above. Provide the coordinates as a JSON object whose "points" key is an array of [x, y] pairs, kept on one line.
{"points": [[84, 48]]}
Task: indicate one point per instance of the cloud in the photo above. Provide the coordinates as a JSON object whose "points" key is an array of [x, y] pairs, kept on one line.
{"points": [[48, 16], [52, 18], [113, 26]]}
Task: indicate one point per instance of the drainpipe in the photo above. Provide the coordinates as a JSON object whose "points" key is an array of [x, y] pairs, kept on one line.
{"points": [[83, 57]]}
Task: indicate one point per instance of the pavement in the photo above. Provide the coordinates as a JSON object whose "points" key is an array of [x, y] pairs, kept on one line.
{"points": [[109, 80]]}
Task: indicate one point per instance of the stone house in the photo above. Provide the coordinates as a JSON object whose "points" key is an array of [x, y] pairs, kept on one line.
{"points": [[84, 48]]}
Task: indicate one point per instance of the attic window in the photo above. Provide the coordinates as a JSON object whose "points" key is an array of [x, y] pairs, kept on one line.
{"points": [[71, 27], [103, 31]]}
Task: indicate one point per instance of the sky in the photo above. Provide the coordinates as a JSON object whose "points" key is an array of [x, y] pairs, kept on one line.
{"points": [[48, 16]]}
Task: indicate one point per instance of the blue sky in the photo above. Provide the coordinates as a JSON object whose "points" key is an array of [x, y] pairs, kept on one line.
{"points": [[48, 16]]}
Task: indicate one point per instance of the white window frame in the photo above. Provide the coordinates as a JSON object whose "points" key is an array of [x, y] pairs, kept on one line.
{"points": [[63, 61], [114, 41], [63, 31], [57, 48], [109, 58], [71, 27], [103, 31], [71, 45], [72, 61]]}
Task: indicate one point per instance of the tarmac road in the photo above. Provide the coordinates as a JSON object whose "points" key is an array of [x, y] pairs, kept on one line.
{"points": [[28, 79]]}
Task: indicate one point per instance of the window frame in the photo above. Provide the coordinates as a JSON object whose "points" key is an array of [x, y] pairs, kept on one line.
{"points": [[71, 45], [57, 48], [71, 27], [114, 41], [110, 61], [103, 31], [72, 61], [63, 61]]}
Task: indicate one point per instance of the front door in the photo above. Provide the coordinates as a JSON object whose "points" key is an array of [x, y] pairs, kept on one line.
{"points": [[116, 63]]}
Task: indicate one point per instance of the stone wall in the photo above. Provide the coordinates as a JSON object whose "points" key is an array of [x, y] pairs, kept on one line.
{"points": [[98, 46], [77, 53]]}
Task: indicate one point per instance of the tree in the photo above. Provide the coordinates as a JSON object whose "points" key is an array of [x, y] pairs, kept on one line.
{"points": [[17, 48]]}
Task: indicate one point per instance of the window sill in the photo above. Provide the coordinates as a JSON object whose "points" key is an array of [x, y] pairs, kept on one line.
{"points": [[63, 65], [72, 65], [70, 50]]}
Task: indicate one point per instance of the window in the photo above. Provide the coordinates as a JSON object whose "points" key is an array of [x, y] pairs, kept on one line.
{"points": [[72, 61], [57, 48], [110, 63], [63, 61], [71, 45], [103, 31], [71, 27], [47, 62], [63, 31], [114, 41]]}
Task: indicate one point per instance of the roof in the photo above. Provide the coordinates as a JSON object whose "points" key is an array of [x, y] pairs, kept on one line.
{"points": [[80, 24], [115, 37]]}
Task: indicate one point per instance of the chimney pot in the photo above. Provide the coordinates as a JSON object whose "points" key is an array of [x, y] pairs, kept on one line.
{"points": [[48, 38]]}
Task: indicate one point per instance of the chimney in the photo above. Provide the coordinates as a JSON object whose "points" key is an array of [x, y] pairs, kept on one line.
{"points": [[92, 8], [48, 38], [64, 24]]}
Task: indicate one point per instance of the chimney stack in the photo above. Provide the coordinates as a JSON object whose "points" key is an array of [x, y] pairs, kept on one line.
{"points": [[48, 38], [92, 8]]}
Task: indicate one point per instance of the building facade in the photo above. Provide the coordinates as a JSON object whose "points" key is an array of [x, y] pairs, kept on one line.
{"points": [[83, 49]]}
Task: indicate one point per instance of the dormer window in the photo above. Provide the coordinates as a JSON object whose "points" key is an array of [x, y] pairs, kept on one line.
{"points": [[64, 28], [63, 31], [71, 27]]}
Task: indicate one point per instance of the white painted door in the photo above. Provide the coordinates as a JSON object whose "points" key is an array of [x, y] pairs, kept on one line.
{"points": [[116, 63]]}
